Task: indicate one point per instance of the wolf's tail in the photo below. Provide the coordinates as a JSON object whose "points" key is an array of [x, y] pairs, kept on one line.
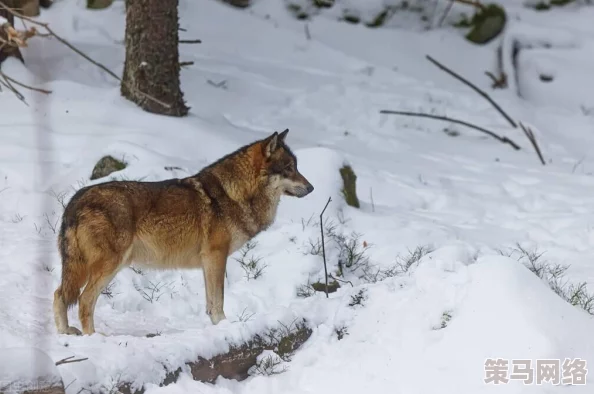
{"points": [[74, 267], [74, 274]]}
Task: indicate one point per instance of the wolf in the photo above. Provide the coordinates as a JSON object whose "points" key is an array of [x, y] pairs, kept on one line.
{"points": [[192, 222]]}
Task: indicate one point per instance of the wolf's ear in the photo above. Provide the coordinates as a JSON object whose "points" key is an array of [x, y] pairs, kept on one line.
{"points": [[283, 135], [270, 144]]}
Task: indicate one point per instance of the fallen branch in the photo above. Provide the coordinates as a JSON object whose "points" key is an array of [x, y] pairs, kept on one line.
{"points": [[50, 32], [475, 88], [68, 360], [499, 138], [323, 246], [532, 139]]}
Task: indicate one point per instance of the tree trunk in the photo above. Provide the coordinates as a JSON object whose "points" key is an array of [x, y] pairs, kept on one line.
{"points": [[152, 58]]}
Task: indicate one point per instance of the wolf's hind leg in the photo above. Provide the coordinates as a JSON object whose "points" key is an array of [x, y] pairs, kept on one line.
{"points": [[99, 278], [61, 315]]}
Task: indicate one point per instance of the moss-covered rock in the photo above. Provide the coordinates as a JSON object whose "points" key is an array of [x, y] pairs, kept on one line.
{"points": [[319, 286], [487, 24], [349, 189], [98, 4], [107, 165]]}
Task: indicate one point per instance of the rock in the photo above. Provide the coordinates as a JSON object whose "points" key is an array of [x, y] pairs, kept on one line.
{"points": [[105, 166]]}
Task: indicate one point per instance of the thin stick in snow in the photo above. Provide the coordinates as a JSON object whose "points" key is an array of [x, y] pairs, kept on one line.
{"points": [[474, 87], [323, 246], [532, 139], [499, 138]]}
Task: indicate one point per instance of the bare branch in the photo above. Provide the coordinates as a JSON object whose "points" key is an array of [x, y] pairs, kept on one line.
{"points": [[184, 64], [532, 139], [323, 247], [446, 12], [474, 87], [190, 41], [499, 138], [44, 91]]}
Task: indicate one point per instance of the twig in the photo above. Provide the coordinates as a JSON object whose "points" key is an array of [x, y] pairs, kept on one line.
{"points": [[474, 87], [190, 41], [23, 85], [307, 33], [532, 139], [68, 360], [498, 83], [341, 280], [499, 138], [445, 13], [184, 64], [323, 247], [79, 52], [371, 197]]}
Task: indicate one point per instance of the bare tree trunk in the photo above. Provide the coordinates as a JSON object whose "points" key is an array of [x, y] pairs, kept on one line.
{"points": [[152, 57]]}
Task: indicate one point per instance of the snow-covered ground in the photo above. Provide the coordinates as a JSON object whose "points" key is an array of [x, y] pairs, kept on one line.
{"points": [[461, 194]]}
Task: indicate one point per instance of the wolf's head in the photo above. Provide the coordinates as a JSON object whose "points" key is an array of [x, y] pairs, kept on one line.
{"points": [[280, 167]]}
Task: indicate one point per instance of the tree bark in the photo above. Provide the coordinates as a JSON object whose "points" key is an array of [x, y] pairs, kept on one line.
{"points": [[152, 57]]}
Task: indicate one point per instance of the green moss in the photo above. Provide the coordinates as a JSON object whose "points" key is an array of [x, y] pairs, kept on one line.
{"points": [[380, 19], [561, 2], [319, 286], [351, 19], [98, 4], [297, 11], [349, 190], [323, 3], [487, 23], [464, 22], [542, 6]]}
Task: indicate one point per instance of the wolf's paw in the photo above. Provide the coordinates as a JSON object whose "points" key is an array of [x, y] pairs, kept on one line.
{"points": [[217, 317], [71, 331]]}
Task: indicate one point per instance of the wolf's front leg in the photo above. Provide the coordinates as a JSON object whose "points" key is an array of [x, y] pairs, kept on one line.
{"points": [[214, 279]]}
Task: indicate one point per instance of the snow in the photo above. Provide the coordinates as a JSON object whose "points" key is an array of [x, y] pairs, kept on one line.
{"points": [[467, 197]]}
